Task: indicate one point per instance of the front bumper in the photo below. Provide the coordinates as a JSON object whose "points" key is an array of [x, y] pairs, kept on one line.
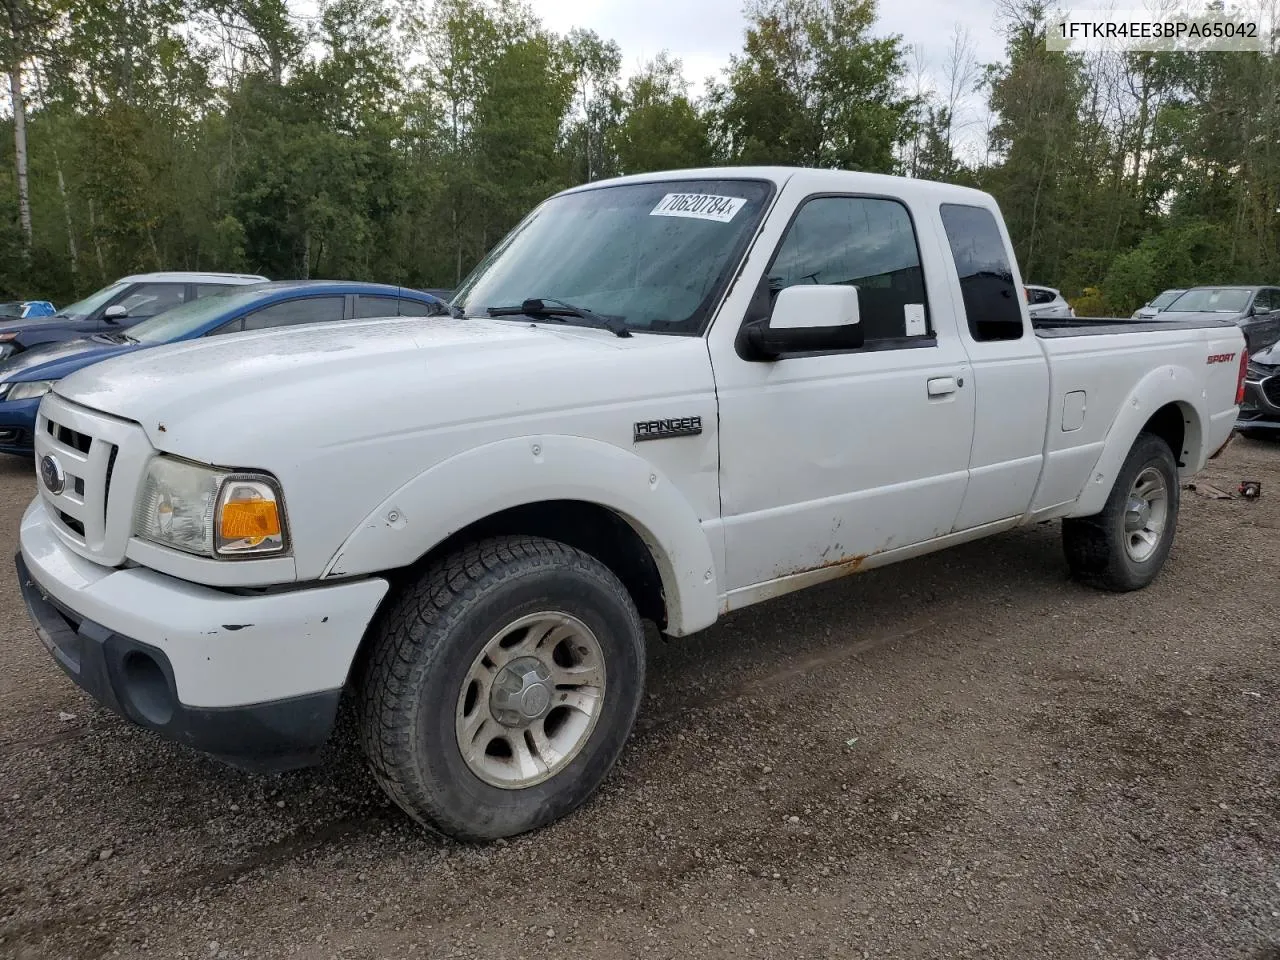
{"points": [[1261, 407], [253, 679], [17, 426]]}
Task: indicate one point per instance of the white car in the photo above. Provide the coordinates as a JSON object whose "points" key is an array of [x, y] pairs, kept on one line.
{"points": [[1157, 305], [1047, 302], [663, 398]]}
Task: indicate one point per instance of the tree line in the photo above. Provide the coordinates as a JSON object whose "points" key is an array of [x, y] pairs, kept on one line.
{"points": [[392, 141]]}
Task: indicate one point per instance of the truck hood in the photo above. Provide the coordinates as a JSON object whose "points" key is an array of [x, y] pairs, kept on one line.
{"points": [[207, 398], [52, 361]]}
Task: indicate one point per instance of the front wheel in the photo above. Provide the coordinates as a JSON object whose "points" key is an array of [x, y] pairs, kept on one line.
{"points": [[502, 687], [1124, 546]]}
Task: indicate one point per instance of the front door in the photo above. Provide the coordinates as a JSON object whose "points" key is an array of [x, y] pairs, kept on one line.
{"points": [[828, 458]]}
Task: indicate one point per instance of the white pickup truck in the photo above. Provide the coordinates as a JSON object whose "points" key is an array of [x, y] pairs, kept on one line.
{"points": [[662, 398]]}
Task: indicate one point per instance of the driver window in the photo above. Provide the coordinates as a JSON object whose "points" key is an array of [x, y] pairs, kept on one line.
{"points": [[865, 242], [148, 299]]}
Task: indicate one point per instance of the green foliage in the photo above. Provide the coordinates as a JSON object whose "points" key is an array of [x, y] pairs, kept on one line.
{"points": [[661, 129], [813, 88]]}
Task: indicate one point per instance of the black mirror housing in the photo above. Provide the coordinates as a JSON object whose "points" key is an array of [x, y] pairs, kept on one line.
{"points": [[763, 344]]}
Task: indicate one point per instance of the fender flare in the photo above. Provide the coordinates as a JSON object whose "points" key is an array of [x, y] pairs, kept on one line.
{"points": [[1159, 388], [485, 480]]}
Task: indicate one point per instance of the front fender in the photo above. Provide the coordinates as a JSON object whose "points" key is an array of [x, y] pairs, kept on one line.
{"points": [[509, 473], [1162, 386]]}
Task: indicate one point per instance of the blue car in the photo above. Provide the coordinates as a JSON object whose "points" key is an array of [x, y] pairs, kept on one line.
{"points": [[26, 310], [28, 376]]}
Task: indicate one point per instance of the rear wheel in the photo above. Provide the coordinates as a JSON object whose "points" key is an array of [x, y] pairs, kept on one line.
{"points": [[1125, 545], [502, 687]]}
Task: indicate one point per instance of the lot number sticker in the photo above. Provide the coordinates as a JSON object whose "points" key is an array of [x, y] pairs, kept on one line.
{"points": [[698, 206]]}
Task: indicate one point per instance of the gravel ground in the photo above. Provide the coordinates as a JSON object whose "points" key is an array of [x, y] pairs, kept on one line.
{"points": [[961, 756]]}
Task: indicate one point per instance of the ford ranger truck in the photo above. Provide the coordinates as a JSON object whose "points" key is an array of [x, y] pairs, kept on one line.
{"points": [[661, 398]]}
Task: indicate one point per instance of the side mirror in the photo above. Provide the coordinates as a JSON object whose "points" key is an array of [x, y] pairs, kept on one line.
{"points": [[115, 312], [820, 317]]}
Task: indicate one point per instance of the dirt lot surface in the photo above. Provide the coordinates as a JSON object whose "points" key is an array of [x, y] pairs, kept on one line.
{"points": [[961, 756]]}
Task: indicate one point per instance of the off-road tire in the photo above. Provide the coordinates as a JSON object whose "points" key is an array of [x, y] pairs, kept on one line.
{"points": [[426, 640], [1095, 546]]}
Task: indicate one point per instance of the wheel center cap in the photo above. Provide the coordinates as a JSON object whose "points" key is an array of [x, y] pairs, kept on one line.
{"points": [[535, 700], [1137, 515], [521, 692]]}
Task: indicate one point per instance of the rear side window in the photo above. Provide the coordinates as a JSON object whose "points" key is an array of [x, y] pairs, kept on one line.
{"points": [[865, 242], [292, 312], [1039, 297], [986, 279], [370, 306]]}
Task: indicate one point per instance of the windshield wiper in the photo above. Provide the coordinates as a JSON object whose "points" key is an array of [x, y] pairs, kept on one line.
{"points": [[550, 308], [117, 336]]}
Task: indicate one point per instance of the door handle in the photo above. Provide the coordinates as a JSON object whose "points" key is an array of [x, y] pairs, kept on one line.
{"points": [[942, 386]]}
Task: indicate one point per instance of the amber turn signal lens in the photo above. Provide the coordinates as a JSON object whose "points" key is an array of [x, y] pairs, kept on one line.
{"points": [[250, 520]]}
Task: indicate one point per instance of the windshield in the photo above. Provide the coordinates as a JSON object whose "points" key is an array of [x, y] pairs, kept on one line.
{"points": [[653, 254], [1215, 300], [1166, 298], [10, 311], [89, 304], [189, 318]]}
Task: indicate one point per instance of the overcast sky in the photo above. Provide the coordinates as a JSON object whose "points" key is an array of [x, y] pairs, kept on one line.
{"points": [[703, 33]]}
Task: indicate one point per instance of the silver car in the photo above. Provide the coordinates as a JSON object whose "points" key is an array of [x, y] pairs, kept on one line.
{"points": [[1255, 310], [1047, 302], [1157, 305]]}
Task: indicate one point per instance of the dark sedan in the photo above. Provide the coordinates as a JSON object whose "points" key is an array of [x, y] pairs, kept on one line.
{"points": [[116, 306], [1255, 310], [27, 377]]}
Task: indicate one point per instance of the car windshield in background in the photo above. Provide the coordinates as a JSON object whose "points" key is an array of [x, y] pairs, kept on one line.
{"points": [[1224, 300], [187, 319], [652, 254], [1166, 298], [83, 308], [10, 311]]}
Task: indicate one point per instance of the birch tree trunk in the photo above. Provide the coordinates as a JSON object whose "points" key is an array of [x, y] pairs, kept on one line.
{"points": [[20, 151]]}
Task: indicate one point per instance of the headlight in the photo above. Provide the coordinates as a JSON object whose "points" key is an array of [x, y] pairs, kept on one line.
{"points": [[28, 390], [1257, 372], [210, 512], [6, 337]]}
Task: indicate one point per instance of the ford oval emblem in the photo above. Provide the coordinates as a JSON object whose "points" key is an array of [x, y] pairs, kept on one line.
{"points": [[51, 473]]}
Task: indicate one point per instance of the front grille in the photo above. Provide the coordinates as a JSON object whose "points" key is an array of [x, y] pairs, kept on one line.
{"points": [[1271, 389], [72, 524], [69, 437], [96, 456]]}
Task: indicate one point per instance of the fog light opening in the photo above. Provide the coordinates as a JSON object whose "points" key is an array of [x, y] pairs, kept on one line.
{"points": [[147, 689]]}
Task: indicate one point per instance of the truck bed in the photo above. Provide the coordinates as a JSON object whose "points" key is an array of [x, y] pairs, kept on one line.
{"points": [[1089, 326]]}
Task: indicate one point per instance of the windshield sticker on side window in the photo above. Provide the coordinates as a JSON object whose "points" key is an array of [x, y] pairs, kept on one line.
{"points": [[698, 206]]}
